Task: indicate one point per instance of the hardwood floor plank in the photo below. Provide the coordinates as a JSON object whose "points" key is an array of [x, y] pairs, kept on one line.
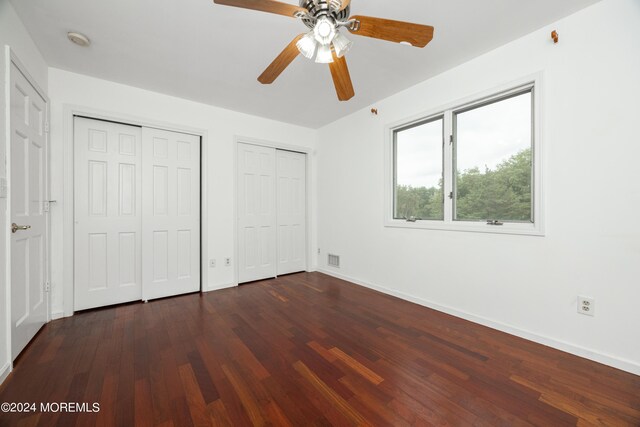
{"points": [[330, 357], [370, 399], [329, 394], [201, 374], [143, 404], [160, 396], [228, 396], [299, 409], [357, 366], [583, 409], [305, 350], [107, 401], [195, 400], [247, 358], [250, 404], [181, 413], [218, 414]]}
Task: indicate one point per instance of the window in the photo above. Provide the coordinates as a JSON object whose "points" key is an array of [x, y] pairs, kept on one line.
{"points": [[493, 164], [474, 166], [419, 171]]}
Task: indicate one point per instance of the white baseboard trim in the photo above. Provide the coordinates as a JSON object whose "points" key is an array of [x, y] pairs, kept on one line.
{"points": [[57, 315], [4, 372], [616, 362], [220, 287]]}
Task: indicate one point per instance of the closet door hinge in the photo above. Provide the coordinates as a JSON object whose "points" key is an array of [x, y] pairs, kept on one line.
{"points": [[46, 127]]}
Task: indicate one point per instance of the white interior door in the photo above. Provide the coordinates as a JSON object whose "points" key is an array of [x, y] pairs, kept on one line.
{"points": [[291, 211], [108, 217], [256, 213], [29, 185], [171, 213]]}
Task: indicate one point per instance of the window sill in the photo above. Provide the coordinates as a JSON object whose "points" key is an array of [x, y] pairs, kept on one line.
{"points": [[471, 227]]}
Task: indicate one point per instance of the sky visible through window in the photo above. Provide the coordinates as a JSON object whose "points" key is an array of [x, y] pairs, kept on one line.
{"points": [[486, 137], [419, 155], [489, 135]]}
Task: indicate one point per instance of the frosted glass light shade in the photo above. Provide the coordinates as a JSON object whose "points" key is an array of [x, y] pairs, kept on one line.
{"points": [[324, 55], [307, 45], [341, 44], [324, 31]]}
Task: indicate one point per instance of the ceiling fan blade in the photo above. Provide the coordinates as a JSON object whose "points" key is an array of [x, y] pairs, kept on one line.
{"points": [[345, 3], [279, 64], [270, 6], [393, 31], [341, 78]]}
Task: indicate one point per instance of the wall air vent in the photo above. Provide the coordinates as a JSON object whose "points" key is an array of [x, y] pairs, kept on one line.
{"points": [[333, 260]]}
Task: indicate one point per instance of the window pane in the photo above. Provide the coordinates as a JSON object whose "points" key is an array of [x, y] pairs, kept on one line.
{"points": [[418, 171], [494, 162]]}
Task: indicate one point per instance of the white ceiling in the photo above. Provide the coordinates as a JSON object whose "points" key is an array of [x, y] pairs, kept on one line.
{"points": [[213, 54]]}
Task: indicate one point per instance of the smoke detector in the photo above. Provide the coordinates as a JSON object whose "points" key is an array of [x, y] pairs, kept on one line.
{"points": [[79, 39]]}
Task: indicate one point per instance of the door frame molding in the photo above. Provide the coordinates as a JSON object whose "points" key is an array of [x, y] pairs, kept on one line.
{"points": [[68, 253], [10, 58], [238, 139]]}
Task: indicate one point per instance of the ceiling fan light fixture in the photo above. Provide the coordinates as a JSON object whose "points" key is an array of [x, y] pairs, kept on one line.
{"points": [[324, 31], [324, 56], [307, 45], [341, 44]]}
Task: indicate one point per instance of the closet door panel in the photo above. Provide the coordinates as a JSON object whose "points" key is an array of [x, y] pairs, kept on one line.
{"points": [[107, 210], [292, 202], [171, 213], [256, 213]]}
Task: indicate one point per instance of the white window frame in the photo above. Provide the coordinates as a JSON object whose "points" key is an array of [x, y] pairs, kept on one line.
{"points": [[448, 111]]}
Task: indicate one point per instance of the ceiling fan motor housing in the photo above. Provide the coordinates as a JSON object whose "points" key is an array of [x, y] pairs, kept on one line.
{"points": [[320, 8]]}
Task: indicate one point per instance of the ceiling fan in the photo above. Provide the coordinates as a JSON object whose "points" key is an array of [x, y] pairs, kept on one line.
{"points": [[325, 42]]}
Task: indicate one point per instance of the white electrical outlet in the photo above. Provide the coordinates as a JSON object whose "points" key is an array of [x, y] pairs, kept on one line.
{"points": [[227, 262], [586, 306], [212, 263]]}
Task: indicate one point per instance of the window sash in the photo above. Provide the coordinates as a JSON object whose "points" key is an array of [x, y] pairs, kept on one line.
{"points": [[454, 165], [409, 126]]}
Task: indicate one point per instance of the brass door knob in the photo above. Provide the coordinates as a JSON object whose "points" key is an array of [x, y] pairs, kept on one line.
{"points": [[15, 227]]}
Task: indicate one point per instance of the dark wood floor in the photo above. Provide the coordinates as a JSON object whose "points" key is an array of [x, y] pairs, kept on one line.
{"points": [[303, 350]]}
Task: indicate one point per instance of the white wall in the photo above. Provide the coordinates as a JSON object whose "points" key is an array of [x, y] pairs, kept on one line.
{"points": [[523, 284], [14, 35], [221, 125]]}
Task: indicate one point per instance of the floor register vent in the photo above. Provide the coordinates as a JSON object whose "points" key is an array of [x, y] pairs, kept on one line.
{"points": [[333, 260]]}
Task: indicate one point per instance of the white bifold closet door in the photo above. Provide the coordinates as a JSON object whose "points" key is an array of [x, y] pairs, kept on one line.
{"points": [[271, 212], [170, 213], [137, 213], [256, 213], [291, 211], [108, 213]]}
